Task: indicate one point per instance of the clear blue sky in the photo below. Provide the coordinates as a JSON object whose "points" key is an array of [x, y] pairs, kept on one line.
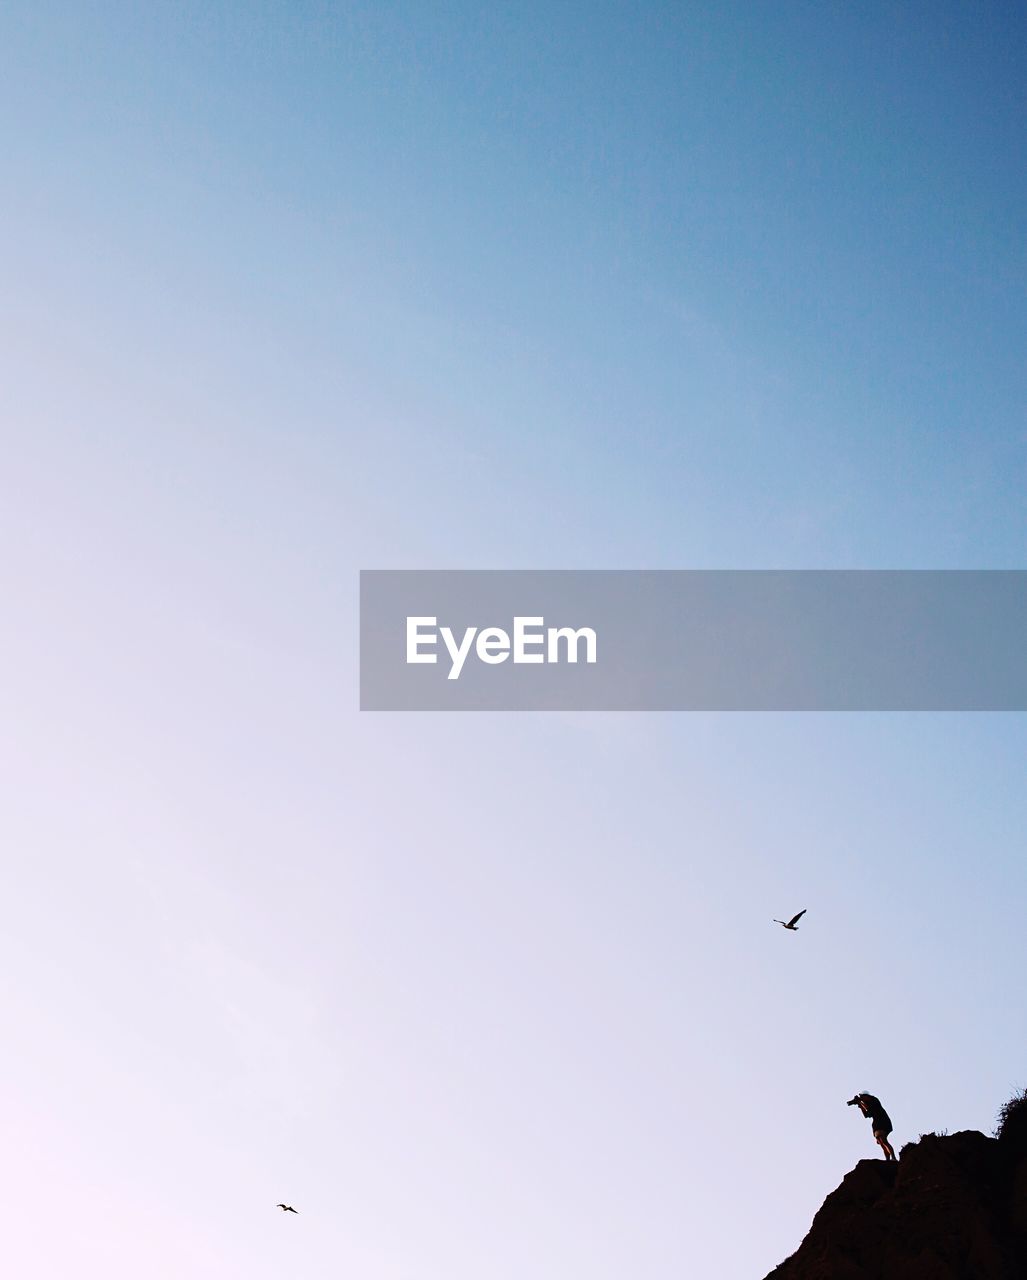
{"points": [[294, 290]]}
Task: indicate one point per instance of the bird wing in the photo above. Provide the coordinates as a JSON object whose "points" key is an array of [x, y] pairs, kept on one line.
{"points": [[791, 922]]}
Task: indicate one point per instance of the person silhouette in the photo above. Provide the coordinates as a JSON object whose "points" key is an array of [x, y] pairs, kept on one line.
{"points": [[879, 1118]]}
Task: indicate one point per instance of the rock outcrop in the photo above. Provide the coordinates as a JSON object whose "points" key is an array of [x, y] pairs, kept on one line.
{"points": [[953, 1207]]}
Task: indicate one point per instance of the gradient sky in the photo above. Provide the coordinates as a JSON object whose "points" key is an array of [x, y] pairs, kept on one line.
{"points": [[291, 290]]}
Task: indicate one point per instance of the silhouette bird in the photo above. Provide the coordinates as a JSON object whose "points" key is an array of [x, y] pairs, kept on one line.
{"points": [[793, 923], [286, 1208]]}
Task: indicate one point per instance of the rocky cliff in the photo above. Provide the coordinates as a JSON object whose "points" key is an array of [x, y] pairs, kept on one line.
{"points": [[953, 1207]]}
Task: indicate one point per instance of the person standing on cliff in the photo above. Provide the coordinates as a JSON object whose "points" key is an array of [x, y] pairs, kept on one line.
{"points": [[879, 1118]]}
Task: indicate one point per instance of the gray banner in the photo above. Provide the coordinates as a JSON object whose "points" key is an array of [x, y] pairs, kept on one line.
{"points": [[693, 640]]}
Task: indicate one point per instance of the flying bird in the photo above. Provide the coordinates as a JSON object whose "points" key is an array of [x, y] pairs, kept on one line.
{"points": [[793, 923], [286, 1208]]}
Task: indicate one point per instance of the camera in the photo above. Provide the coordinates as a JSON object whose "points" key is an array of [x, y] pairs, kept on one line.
{"points": [[853, 1102]]}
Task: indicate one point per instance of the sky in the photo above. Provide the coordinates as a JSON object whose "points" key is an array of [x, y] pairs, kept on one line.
{"points": [[295, 290]]}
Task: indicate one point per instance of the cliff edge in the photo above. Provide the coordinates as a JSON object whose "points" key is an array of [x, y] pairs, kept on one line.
{"points": [[953, 1207]]}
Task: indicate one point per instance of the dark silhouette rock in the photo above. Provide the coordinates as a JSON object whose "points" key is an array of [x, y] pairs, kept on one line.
{"points": [[952, 1208]]}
